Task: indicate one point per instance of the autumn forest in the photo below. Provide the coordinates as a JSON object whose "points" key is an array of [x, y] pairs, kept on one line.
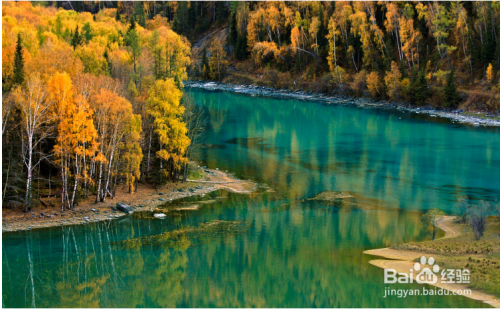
{"points": [[93, 90]]}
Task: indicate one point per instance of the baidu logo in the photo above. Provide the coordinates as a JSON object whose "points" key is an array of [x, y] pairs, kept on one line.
{"points": [[426, 274], [426, 271]]}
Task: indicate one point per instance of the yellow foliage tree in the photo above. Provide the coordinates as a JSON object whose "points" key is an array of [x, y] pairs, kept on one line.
{"points": [[132, 151], [373, 83], [76, 143], [217, 63], [490, 74], [111, 113], [164, 105], [333, 36], [393, 81]]}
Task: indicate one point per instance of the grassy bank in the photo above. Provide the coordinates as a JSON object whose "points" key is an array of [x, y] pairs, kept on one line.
{"points": [[463, 251], [457, 249]]}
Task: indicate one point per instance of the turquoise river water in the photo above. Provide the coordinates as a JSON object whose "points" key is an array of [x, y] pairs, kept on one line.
{"points": [[273, 248]]}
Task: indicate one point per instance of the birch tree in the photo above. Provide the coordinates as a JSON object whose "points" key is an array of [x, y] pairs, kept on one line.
{"points": [[36, 118], [217, 62]]}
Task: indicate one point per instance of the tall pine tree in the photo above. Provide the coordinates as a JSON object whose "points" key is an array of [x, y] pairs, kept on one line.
{"points": [[76, 39], [419, 89], [18, 77], [118, 16], [451, 97], [109, 65], [132, 24]]}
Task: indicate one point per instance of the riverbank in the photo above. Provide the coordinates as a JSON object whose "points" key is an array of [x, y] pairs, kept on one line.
{"points": [[453, 251], [147, 198], [459, 116]]}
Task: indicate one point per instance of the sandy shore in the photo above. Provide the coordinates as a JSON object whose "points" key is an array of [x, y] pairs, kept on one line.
{"points": [[147, 198], [482, 119], [402, 261]]}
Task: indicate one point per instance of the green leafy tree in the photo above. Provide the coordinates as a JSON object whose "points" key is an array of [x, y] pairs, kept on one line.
{"points": [[141, 17], [134, 42], [87, 32], [156, 48]]}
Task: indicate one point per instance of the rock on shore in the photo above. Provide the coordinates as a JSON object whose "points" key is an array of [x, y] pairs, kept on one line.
{"points": [[124, 207]]}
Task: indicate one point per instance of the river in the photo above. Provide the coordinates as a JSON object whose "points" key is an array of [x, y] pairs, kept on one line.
{"points": [[283, 250]]}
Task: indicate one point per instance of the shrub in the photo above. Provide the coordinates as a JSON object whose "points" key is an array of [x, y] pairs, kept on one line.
{"points": [[475, 100], [358, 85], [477, 217]]}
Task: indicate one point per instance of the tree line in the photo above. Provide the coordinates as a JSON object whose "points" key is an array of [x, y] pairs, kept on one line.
{"points": [[444, 54], [90, 101]]}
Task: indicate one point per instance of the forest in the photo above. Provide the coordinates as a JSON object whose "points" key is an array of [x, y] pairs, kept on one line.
{"points": [[93, 90], [89, 100], [442, 54]]}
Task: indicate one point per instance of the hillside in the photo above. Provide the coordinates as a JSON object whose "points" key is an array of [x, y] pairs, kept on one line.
{"points": [[441, 55]]}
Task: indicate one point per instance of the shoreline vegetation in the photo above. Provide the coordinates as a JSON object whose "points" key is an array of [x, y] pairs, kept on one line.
{"points": [[145, 199], [111, 109], [93, 111], [452, 251], [458, 116]]}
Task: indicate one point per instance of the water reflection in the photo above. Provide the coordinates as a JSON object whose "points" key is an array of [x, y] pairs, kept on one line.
{"points": [[292, 251], [402, 160], [300, 254]]}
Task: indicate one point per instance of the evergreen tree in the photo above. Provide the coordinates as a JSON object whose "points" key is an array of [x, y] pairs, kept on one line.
{"points": [[132, 24], [76, 39], [109, 65], [419, 89], [18, 77], [141, 17], [241, 52], [322, 31], [222, 12], [118, 16], [451, 97], [134, 42], [233, 33], [181, 22]]}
